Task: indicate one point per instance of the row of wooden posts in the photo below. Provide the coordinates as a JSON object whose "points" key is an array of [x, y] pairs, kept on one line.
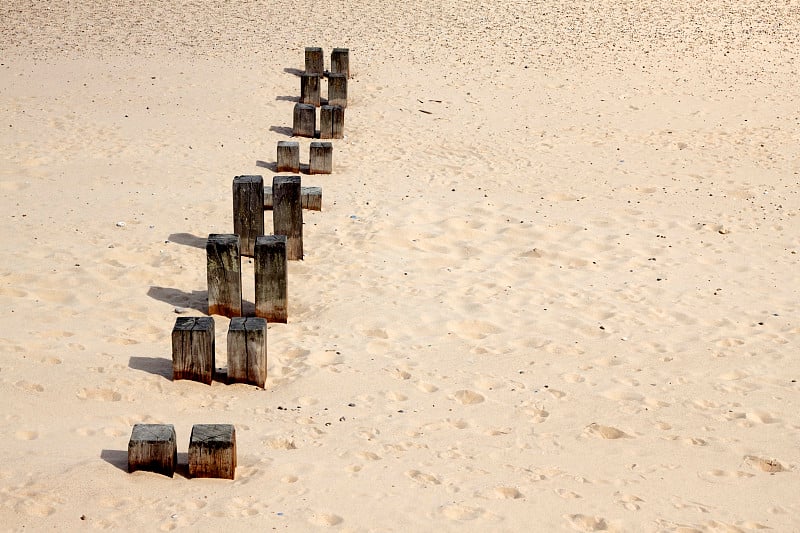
{"points": [[212, 447]]}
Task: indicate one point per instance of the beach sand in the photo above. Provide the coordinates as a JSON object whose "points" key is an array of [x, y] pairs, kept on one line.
{"points": [[553, 287]]}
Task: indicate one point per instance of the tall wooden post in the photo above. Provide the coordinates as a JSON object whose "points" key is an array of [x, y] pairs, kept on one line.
{"points": [[272, 278], [309, 89], [337, 90], [331, 122], [315, 62], [340, 61], [320, 158], [288, 156], [247, 351], [224, 274], [248, 211], [193, 349], [305, 120], [287, 214]]}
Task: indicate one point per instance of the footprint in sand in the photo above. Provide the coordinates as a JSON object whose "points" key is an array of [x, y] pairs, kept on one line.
{"points": [[26, 435], [507, 493], [281, 444], [326, 519], [765, 465], [422, 478], [29, 386], [473, 329], [468, 397], [461, 512], [582, 522], [106, 395], [606, 432]]}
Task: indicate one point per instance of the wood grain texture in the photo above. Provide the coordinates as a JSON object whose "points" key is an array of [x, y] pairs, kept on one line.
{"points": [[287, 214], [152, 447], [340, 61], [315, 60], [320, 158], [310, 89], [288, 156], [310, 197], [304, 120], [212, 451], [193, 346], [247, 351], [248, 211], [331, 122], [224, 275], [337, 90], [271, 278]]}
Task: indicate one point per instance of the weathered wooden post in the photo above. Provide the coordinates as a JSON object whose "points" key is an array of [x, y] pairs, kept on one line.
{"points": [[337, 90], [287, 214], [272, 280], [331, 122], [248, 211], [152, 447], [309, 89], [247, 351], [224, 274], [305, 120], [288, 156], [212, 451], [340, 61], [315, 62], [193, 349], [310, 197], [320, 158]]}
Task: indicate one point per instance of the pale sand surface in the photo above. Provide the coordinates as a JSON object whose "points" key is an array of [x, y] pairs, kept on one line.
{"points": [[564, 297]]}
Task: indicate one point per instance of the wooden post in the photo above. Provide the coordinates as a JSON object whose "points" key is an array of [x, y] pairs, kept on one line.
{"points": [[152, 447], [193, 349], [287, 214], [247, 351], [271, 278], [310, 197], [309, 89], [340, 61], [331, 122], [305, 120], [224, 274], [248, 211], [212, 451], [288, 156], [320, 158], [315, 62], [337, 90]]}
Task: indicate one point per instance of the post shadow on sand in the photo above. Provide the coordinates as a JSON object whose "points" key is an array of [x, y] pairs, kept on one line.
{"points": [[187, 239], [295, 71], [282, 130], [287, 98], [119, 459], [269, 166], [197, 300], [159, 366]]}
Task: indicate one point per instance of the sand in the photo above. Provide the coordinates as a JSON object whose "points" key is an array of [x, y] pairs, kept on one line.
{"points": [[554, 284]]}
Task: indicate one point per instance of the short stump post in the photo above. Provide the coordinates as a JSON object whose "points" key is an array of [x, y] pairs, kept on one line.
{"points": [[288, 156], [340, 61], [272, 278], [331, 122], [224, 274], [247, 351], [152, 448], [287, 214], [212, 451], [315, 62], [305, 120], [320, 158], [309, 89], [337, 90], [193, 349], [310, 197], [248, 211]]}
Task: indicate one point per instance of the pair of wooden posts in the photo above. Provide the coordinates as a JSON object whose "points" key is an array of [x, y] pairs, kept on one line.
{"points": [[331, 121], [315, 70], [212, 450], [320, 157], [194, 350]]}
